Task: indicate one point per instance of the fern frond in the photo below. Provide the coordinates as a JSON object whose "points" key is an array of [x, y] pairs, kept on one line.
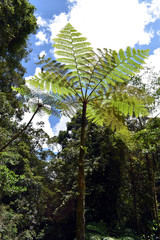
{"points": [[53, 79], [87, 76], [114, 68], [72, 50], [105, 114]]}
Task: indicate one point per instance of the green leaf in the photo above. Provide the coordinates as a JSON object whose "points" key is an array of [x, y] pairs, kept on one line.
{"points": [[122, 55], [128, 52]]}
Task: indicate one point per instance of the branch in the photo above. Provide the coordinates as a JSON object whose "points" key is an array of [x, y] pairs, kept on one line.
{"points": [[19, 133]]}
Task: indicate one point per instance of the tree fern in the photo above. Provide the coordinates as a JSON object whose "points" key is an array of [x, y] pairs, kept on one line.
{"points": [[94, 82], [90, 77]]}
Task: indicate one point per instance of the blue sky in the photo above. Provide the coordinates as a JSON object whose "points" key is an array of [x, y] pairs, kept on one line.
{"points": [[111, 24]]}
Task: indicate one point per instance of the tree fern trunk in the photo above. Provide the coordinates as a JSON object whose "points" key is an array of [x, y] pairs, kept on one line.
{"points": [[80, 231]]}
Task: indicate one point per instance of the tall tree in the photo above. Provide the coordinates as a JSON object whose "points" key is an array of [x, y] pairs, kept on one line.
{"points": [[95, 83], [17, 22]]}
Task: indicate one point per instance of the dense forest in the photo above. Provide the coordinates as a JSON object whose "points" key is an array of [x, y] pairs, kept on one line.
{"points": [[111, 145]]}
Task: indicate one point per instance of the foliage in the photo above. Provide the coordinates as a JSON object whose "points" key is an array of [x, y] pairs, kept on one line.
{"points": [[99, 231], [17, 21], [8, 180], [8, 223], [21, 168]]}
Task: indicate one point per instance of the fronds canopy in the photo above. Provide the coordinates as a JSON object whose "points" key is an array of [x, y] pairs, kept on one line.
{"points": [[85, 76]]}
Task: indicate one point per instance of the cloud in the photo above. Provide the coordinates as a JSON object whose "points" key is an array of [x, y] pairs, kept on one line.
{"points": [[58, 22], [158, 32], [112, 24], [41, 22], [42, 53], [72, 1], [154, 60], [42, 38], [61, 125], [38, 118], [154, 10]]}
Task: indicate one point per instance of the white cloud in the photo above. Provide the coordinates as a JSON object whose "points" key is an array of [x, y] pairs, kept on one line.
{"points": [[71, 1], [37, 70], [61, 125], [58, 22], [41, 22], [42, 53], [154, 60], [112, 24], [158, 32], [154, 10], [38, 118], [42, 38]]}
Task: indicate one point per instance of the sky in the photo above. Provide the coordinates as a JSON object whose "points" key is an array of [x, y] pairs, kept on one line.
{"points": [[111, 24]]}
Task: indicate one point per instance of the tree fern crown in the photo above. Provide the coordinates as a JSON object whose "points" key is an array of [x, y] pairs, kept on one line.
{"points": [[81, 75]]}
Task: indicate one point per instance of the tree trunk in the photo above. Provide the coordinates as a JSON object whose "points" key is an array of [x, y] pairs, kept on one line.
{"points": [[154, 192], [19, 133], [134, 193], [80, 231]]}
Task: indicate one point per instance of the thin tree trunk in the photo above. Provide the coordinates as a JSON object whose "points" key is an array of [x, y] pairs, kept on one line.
{"points": [[150, 178], [134, 193], [154, 192], [155, 203], [19, 133], [80, 231], [150, 185]]}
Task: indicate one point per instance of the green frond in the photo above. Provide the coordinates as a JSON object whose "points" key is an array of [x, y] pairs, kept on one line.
{"points": [[122, 55], [127, 66], [50, 82], [67, 61], [74, 51], [64, 54], [63, 36], [115, 68], [128, 104], [79, 39], [63, 47], [145, 52], [83, 50], [76, 34], [79, 74], [102, 114], [127, 70], [138, 59], [128, 52], [62, 41], [115, 57], [134, 52], [134, 63]]}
